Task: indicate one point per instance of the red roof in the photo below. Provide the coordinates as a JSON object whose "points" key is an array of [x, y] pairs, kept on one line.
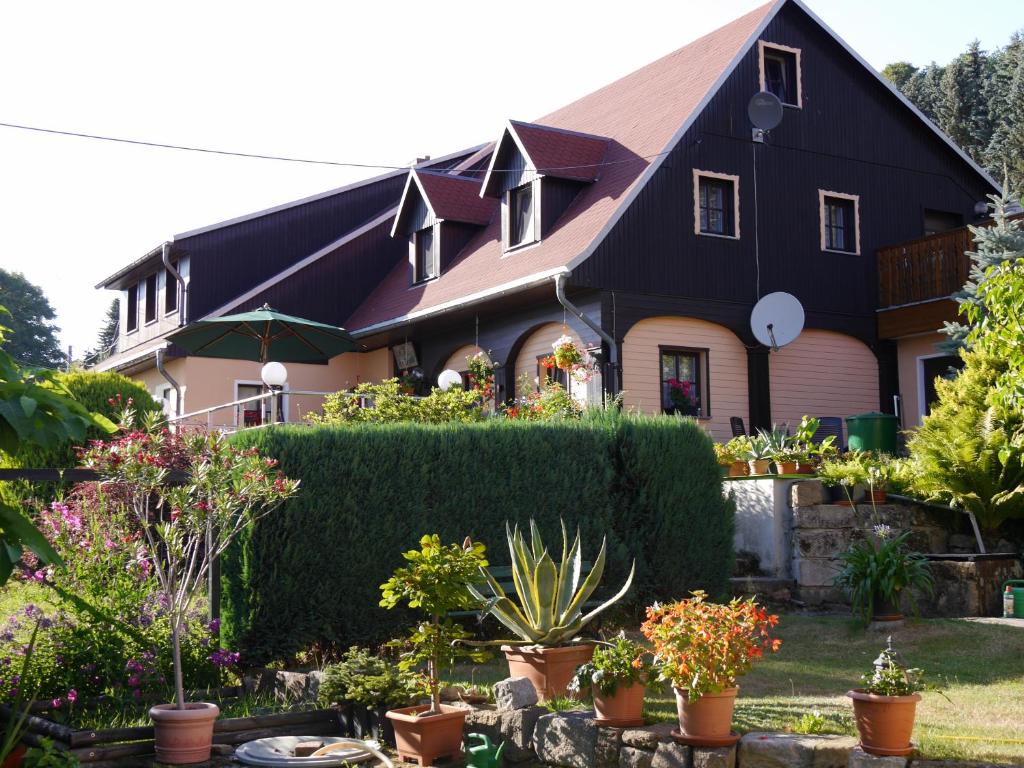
{"points": [[456, 198], [642, 115], [554, 152]]}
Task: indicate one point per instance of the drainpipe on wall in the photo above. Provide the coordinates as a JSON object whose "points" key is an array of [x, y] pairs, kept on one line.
{"points": [[165, 256], [170, 380], [613, 348]]}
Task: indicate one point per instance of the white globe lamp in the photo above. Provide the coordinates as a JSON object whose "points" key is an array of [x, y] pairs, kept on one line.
{"points": [[449, 379], [274, 375]]}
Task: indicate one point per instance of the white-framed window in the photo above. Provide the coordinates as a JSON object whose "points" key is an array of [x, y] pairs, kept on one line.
{"points": [[840, 221], [522, 228], [716, 204], [426, 263], [257, 412], [779, 70]]}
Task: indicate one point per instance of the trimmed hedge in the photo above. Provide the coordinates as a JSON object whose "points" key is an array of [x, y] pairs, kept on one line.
{"points": [[310, 573]]}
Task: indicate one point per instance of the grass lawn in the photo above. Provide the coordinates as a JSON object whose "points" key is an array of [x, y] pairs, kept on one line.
{"points": [[980, 667]]}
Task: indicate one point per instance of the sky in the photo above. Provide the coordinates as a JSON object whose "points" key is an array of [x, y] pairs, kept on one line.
{"points": [[364, 82]]}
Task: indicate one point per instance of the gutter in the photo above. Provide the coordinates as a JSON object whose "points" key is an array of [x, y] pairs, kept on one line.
{"points": [[613, 348], [170, 380], [165, 256]]}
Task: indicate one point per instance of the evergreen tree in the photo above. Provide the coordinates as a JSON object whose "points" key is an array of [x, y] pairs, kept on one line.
{"points": [[962, 110], [1004, 154], [924, 89], [32, 340], [108, 335]]}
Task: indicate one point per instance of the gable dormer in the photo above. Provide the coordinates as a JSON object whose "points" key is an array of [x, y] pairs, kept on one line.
{"points": [[536, 171], [439, 213]]}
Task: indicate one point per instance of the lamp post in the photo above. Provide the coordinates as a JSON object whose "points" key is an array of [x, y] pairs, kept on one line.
{"points": [[275, 376], [449, 379]]}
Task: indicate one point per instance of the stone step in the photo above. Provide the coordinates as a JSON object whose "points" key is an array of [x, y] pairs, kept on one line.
{"points": [[765, 587]]}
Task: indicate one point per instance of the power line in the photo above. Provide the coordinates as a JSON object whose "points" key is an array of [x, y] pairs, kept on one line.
{"points": [[308, 161]]}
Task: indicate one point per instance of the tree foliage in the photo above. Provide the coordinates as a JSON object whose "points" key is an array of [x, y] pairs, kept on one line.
{"points": [[108, 334], [978, 100], [33, 341]]}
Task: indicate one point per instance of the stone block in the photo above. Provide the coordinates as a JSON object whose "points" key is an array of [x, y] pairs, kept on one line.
{"points": [[808, 493], [649, 736], [962, 543], [514, 727], [861, 759], [514, 693], [819, 595], [816, 571], [714, 757], [313, 682], [290, 686], [832, 751], [608, 742], [821, 542], [568, 739], [307, 748], [671, 755], [824, 516], [259, 681], [775, 750], [631, 757]]}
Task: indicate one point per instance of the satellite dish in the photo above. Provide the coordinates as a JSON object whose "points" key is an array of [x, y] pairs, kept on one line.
{"points": [[777, 319], [764, 110]]}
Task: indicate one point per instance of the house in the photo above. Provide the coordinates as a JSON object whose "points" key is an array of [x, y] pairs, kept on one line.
{"points": [[644, 220]]}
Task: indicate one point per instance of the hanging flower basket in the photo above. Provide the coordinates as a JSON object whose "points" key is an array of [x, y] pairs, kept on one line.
{"points": [[566, 353]]}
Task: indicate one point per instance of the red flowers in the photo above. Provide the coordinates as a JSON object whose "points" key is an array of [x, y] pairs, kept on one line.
{"points": [[704, 647]]}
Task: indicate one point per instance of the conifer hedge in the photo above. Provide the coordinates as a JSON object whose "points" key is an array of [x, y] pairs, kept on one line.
{"points": [[310, 573]]}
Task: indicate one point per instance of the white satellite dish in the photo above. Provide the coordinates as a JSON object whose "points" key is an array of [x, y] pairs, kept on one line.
{"points": [[777, 319]]}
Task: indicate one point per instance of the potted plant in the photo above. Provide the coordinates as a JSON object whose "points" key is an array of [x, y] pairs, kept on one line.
{"points": [[435, 583], [566, 354], [884, 708], [724, 457], [682, 396], [847, 478], [363, 687], [550, 613], [481, 375], [737, 448], [703, 648], [877, 570], [758, 455], [616, 676], [185, 528]]}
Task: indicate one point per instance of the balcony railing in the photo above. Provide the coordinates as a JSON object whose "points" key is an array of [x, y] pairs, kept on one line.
{"points": [[929, 268], [932, 267]]}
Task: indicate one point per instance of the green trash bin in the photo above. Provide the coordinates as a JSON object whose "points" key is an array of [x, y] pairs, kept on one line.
{"points": [[872, 432]]}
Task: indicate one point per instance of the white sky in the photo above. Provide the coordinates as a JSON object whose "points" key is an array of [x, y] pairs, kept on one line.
{"points": [[371, 82]]}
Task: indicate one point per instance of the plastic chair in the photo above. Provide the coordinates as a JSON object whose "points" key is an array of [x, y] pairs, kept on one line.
{"points": [[830, 425], [738, 430]]}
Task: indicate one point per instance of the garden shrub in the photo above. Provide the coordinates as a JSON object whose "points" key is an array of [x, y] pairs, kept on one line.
{"points": [[392, 405], [310, 574]]}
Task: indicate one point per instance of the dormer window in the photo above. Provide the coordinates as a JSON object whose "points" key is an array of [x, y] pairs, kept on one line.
{"points": [[426, 255], [521, 230], [780, 72]]}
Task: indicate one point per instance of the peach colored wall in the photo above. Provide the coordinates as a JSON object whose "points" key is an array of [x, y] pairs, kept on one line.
{"points": [[457, 359], [908, 351], [207, 381], [822, 373], [727, 367], [539, 343]]}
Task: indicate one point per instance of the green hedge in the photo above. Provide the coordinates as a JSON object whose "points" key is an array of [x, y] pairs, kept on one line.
{"points": [[309, 574]]}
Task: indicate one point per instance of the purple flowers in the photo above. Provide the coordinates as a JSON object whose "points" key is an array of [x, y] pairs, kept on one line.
{"points": [[224, 658]]}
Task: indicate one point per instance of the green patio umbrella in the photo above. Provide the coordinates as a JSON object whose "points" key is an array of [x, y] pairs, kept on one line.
{"points": [[264, 335]]}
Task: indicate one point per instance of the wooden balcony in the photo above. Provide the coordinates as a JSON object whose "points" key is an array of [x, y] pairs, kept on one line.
{"points": [[933, 267]]}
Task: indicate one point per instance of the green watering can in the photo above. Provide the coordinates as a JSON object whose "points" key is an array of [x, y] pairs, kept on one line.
{"points": [[484, 754]]}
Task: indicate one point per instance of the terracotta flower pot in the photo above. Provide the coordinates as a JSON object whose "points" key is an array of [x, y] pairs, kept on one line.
{"points": [[423, 737], [739, 469], [549, 669], [16, 758], [786, 467], [884, 722], [709, 717], [622, 709], [806, 468], [877, 495], [759, 466], [183, 736], [885, 609]]}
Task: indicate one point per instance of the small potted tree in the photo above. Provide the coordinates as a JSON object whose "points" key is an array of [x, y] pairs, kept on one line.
{"points": [[886, 705], [703, 648], [616, 677], [550, 614], [758, 455], [435, 582], [184, 529]]}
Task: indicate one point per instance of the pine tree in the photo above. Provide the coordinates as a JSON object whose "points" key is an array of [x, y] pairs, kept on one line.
{"points": [[1004, 154], [961, 109], [924, 89], [995, 245], [108, 335]]}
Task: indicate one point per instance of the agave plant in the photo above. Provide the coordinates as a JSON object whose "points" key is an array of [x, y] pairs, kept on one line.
{"points": [[551, 598]]}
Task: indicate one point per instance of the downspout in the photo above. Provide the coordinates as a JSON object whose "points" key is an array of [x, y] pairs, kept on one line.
{"points": [[170, 380], [613, 348], [165, 256]]}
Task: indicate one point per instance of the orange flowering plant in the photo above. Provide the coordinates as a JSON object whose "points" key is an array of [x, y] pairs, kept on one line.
{"points": [[704, 647]]}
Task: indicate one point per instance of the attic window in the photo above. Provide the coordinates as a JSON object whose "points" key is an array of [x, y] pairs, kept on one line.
{"points": [[780, 72], [840, 222], [521, 229], [426, 255]]}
